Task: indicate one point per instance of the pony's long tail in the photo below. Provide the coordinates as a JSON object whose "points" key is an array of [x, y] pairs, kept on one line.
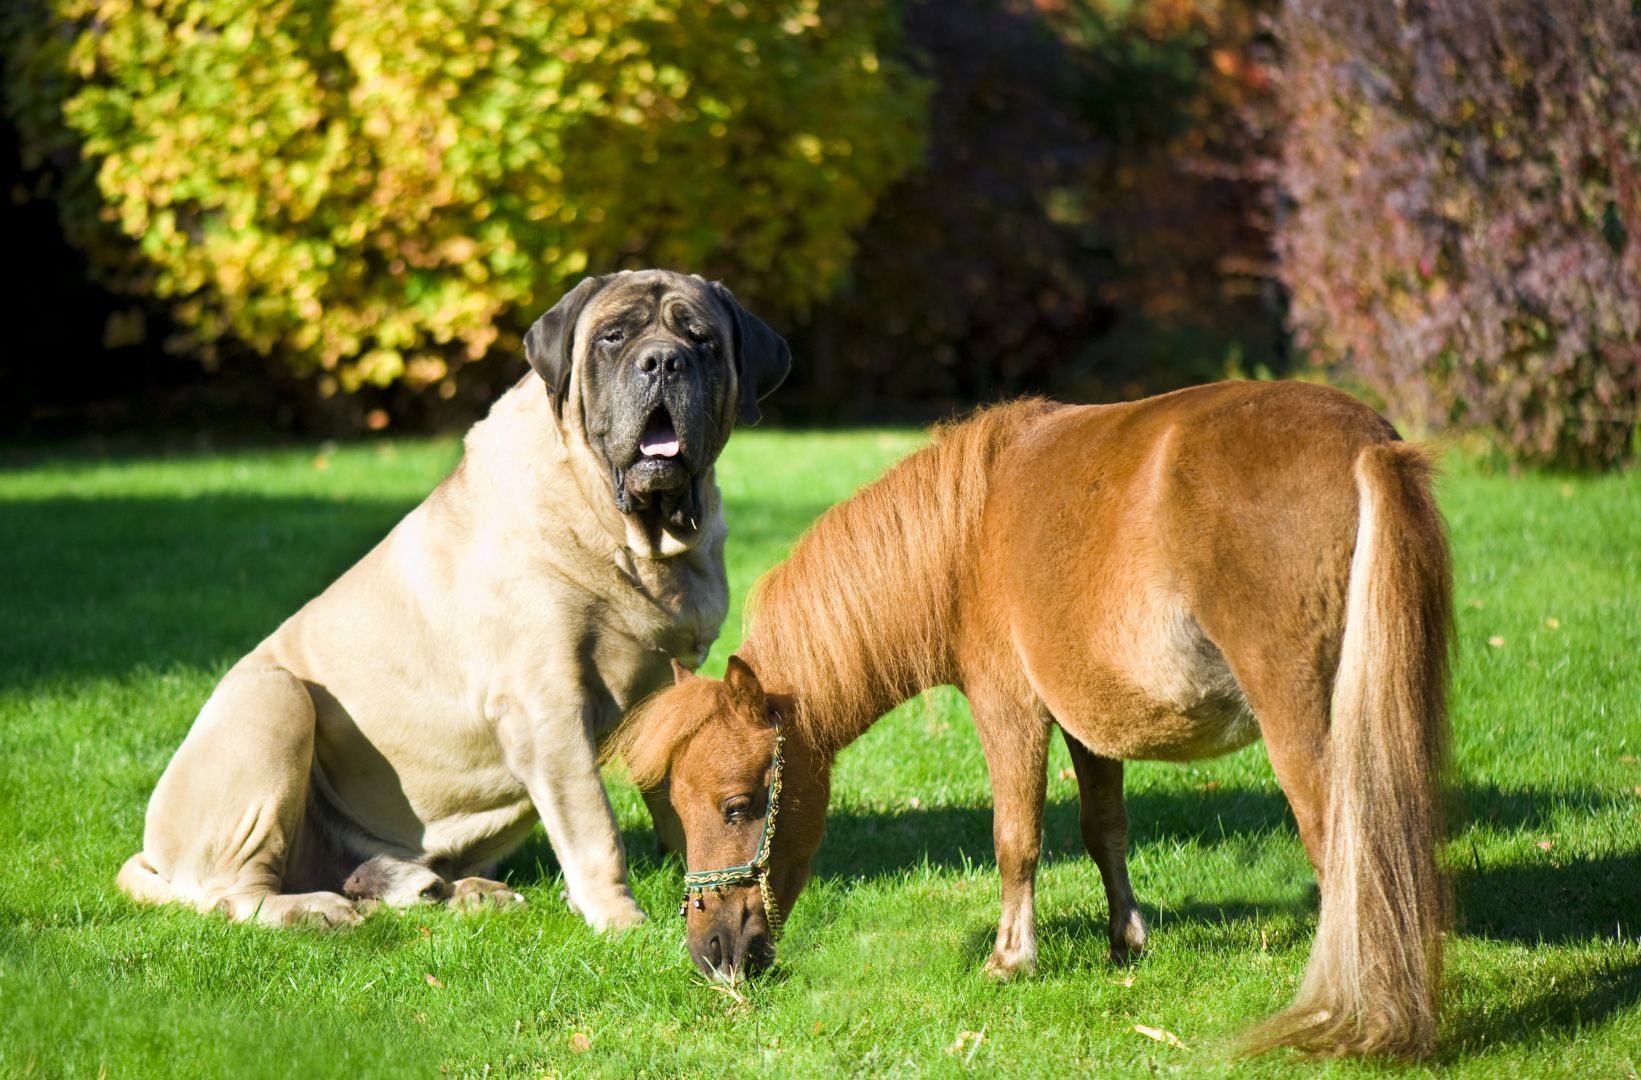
{"points": [[1372, 985]]}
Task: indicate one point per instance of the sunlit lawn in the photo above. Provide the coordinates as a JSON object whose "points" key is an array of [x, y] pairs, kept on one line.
{"points": [[130, 585]]}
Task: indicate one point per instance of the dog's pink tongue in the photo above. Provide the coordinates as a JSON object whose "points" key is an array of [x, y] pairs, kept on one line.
{"points": [[657, 446], [659, 440]]}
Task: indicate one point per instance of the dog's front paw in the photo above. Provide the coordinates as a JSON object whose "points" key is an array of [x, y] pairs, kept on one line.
{"points": [[615, 917]]}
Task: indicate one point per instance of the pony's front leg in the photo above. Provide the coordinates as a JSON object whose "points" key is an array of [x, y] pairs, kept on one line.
{"points": [[1016, 746], [1105, 834]]}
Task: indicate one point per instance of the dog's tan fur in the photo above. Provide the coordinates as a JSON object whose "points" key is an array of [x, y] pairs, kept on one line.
{"points": [[1170, 579], [407, 726]]}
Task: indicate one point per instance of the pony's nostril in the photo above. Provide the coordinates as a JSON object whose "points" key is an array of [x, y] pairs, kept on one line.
{"points": [[758, 954], [715, 950]]}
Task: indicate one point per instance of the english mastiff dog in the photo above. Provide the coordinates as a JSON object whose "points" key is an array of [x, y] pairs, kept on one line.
{"points": [[405, 729]]}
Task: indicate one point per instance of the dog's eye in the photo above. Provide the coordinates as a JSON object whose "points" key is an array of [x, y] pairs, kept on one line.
{"points": [[737, 809], [701, 336], [434, 891], [613, 336]]}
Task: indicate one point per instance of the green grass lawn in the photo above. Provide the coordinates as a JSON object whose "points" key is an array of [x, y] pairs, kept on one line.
{"points": [[131, 585]]}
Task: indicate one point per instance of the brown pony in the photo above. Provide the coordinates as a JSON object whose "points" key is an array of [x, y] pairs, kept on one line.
{"points": [[1166, 579]]}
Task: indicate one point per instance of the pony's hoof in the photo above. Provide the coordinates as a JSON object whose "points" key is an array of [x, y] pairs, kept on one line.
{"points": [[1006, 966], [1128, 938]]}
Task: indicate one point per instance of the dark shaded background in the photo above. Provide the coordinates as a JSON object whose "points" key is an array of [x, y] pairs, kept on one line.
{"points": [[1438, 206], [1057, 240]]}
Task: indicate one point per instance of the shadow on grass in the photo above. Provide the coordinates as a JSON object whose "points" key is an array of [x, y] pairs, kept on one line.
{"points": [[1560, 901], [1523, 903], [101, 586], [1564, 1007]]}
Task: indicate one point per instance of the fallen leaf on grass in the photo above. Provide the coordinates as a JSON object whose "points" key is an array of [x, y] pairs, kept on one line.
{"points": [[1068, 774], [1160, 1035], [1553, 623], [914, 802], [1546, 845], [1212, 785], [1496, 641], [580, 1043], [433, 981], [1626, 759], [964, 1038]]}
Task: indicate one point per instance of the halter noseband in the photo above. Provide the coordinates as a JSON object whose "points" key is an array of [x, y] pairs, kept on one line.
{"points": [[755, 872]]}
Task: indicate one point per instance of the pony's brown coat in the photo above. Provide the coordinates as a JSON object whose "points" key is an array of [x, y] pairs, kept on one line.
{"points": [[1169, 578]]}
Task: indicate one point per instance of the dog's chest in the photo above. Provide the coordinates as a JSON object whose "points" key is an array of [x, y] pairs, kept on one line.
{"points": [[673, 607]]}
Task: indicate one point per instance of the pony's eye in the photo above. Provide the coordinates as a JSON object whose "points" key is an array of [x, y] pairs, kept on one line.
{"points": [[737, 808]]}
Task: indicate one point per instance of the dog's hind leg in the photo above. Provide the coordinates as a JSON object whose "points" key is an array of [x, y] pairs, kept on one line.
{"points": [[228, 811], [141, 882], [1104, 824]]}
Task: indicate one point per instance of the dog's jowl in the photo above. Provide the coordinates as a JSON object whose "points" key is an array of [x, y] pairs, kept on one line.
{"points": [[405, 728]]}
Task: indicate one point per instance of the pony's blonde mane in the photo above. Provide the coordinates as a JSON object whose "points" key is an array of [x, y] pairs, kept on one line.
{"points": [[859, 618]]}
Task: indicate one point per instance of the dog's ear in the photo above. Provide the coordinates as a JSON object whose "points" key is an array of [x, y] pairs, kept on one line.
{"points": [[762, 358], [550, 343]]}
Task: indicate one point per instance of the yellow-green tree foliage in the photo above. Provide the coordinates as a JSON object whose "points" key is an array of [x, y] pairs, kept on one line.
{"points": [[376, 190]]}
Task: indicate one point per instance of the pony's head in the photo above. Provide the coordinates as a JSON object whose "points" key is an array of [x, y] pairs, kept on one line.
{"points": [[714, 744]]}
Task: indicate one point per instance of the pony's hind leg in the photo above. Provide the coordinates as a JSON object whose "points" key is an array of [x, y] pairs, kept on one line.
{"points": [[1015, 741], [1104, 825], [1295, 730]]}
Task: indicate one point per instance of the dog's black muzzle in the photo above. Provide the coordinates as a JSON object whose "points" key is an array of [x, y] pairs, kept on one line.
{"points": [[662, 446]]}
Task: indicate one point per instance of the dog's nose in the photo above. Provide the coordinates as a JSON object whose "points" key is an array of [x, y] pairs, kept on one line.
{"points": [[660, 358]]}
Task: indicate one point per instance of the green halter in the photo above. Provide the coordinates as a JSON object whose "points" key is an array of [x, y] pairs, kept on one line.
{"points": [[755, 872]]}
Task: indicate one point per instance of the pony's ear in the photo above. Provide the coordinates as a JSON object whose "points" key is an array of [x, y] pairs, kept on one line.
{"points": [[550, 343], [679, 672], [743, 685], [762, 357]]}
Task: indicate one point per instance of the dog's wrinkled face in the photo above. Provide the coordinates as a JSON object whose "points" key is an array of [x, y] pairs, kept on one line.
{"points": [[657, 366]]}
